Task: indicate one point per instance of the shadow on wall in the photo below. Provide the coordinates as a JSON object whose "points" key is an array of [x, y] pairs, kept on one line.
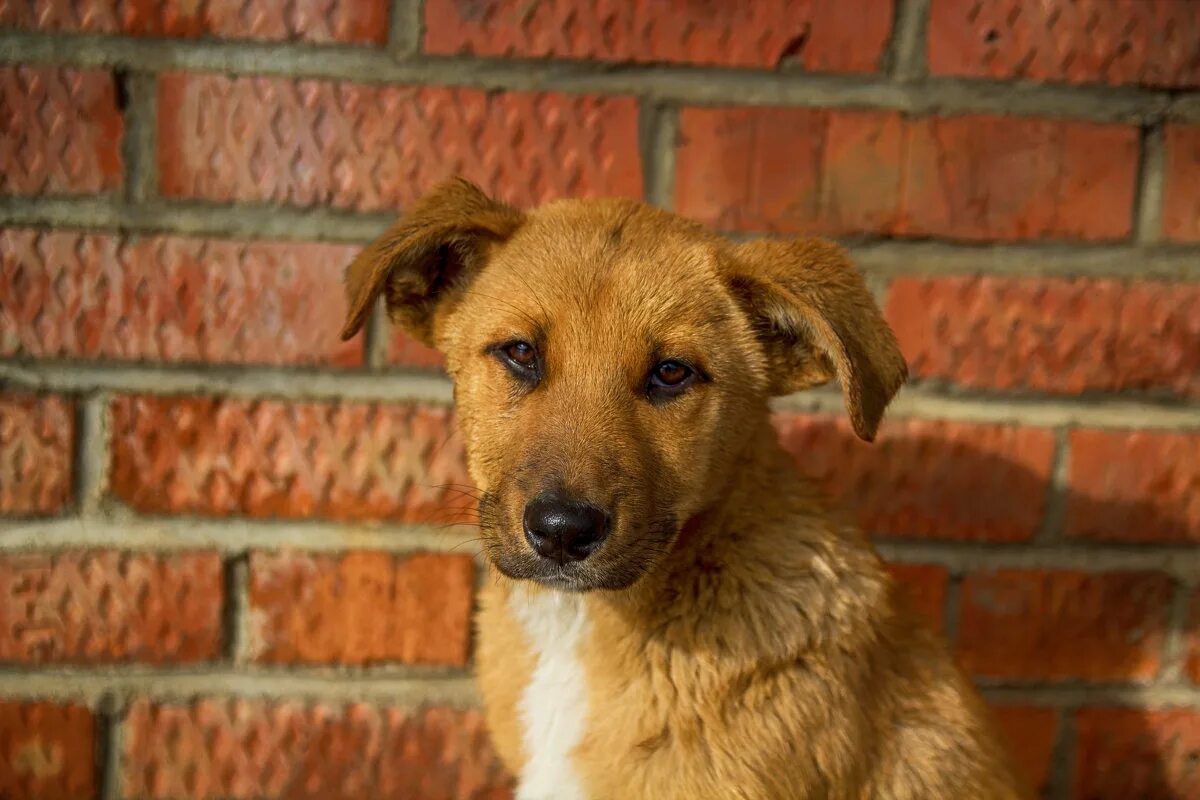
{"points": [[1023, 620]]}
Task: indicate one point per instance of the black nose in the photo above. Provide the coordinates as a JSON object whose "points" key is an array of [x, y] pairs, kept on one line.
{"points": [[564, 529]]}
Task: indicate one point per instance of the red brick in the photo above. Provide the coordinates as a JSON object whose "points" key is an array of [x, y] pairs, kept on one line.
{"points": [[1124, 753], [267, 458], [108, 607], [306, 142], [1059, 625], [1148, 42], [924, 587], [165, 298], [929, 479], [47, 752], [360, 608], [976, 177], [36, 452], [1030, 734], [1181, 195], [1134, 486], [1063, 336], [352, 21], [829, 36], [251, 750], [60, 131], [404, 351]]}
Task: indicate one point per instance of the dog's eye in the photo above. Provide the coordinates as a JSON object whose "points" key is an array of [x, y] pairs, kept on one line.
{"points": [[669, 378], [521, 353]]}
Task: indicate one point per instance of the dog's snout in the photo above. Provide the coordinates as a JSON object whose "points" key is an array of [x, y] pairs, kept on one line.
{"points": [[564, 529]]}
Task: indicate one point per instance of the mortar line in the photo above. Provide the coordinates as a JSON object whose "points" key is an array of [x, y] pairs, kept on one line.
{"points": [[1054, 515], [884, 257], [906, 51], [91, 456], [110, 724], [1071, 696], [141, 134], [377, 337], [234, 616], [1175, 646], [405, 28], [681, 83], [658, 125], [1062, 760], [1148, 196], [92, 687]]}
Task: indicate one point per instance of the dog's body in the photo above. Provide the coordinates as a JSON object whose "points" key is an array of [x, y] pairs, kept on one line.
{"points": [[672, 613]]}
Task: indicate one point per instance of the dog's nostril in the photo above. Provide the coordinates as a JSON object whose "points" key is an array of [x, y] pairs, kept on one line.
{"points": [[563, 529]]}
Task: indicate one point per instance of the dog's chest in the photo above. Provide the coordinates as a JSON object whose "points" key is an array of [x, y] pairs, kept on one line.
{"points": [[554, 704]]}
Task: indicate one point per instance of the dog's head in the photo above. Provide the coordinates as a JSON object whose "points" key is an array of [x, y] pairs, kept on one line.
{"points": [[611, 361]]}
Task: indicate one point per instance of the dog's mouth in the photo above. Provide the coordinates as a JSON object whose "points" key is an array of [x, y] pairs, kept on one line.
{"points": [[625, 558]]}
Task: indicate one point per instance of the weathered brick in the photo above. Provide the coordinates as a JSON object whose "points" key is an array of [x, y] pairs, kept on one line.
{"points": [[251, 750], [47, 752], [267, 458], [352, 21], [404, 351], [974, 177], [1148, 42], [1063, 336], [37, 448], [1030, 734], [60, 131], [105, 606], [306, 142], [1122, 753], [167, 298], [924, 587], [847, 36], [1059, 625], [929, 479], [360, 608], [1134, 486], [1181, 193]]}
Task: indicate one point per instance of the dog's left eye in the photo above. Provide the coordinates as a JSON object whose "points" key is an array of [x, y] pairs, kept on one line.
{"points": [[521, 359], [669, 378]]}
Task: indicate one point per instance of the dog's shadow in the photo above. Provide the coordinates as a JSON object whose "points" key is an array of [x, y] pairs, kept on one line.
{"points": [[987, 493]]}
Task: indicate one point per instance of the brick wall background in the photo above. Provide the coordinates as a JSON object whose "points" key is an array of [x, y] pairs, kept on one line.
{"points": [[225, 566]]}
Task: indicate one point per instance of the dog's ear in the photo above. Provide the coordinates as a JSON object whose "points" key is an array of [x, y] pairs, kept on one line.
{"points": [[420, 260], [816, 319]]}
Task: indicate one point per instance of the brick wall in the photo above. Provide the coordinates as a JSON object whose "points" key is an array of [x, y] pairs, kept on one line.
{"points": [[225, 566]]}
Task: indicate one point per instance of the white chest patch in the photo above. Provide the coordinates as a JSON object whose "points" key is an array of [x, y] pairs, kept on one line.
{"points": [[555, 702]]}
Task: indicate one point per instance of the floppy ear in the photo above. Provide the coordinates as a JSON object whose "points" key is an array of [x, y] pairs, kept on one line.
{"points": [[816, 319], [421, 259]]}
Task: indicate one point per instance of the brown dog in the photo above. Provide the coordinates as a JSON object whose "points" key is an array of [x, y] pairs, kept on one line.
{"points": [[672, 612]]}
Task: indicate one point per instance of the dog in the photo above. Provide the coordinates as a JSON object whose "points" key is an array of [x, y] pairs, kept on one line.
{"points": [[670, 611]]}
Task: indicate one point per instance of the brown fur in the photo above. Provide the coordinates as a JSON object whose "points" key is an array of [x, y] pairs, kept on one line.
{"points": [[741, 642]]}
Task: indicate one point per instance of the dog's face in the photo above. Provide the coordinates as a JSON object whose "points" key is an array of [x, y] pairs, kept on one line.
{"points": [[610, 363]]}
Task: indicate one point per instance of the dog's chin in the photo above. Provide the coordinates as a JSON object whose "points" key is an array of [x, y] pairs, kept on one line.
{"points": [[574, 577]]}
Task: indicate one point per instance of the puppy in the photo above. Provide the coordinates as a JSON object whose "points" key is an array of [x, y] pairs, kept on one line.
{"points": [[671, 612]]}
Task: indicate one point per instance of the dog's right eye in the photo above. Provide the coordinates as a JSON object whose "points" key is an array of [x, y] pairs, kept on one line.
{"points": [[520, 357]]}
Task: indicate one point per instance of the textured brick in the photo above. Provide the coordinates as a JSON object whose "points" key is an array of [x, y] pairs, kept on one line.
{"points": [[1181, 194], [46, 752], [1061, 336], [266, 458], [972, 177], [36, 452], [404, 351], [929, 479], [1134, 486], [1058, 625], [60, 131], [173, 299], [1123, 753], [1029, 733], [306, 142], [97, 607], [360, 608], [924, 586], [304, 20], [249, 750], [1148, 42], [824, 35]]}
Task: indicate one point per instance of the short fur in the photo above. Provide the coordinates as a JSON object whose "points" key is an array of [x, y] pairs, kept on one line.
{"points": [[733, 639]]}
